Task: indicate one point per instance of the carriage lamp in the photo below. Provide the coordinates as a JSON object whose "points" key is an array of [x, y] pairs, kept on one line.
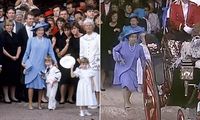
{"points": [[187, 72], [187, 75]]}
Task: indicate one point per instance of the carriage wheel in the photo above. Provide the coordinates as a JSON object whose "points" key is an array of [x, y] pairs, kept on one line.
{"points": [[180, 115], [168, 79], [151, 96]]}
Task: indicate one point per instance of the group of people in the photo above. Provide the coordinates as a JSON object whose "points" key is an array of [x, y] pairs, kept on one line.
{"points": [[32, 46], [127, 28]]}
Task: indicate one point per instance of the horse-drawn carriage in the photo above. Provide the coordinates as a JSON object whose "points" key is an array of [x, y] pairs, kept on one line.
{"points": [[172, 78]]}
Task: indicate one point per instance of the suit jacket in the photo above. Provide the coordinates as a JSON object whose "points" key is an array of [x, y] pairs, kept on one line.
{"points": [[18, 27], [23, 37], [103, 12], [177, 18], [1, 52]]}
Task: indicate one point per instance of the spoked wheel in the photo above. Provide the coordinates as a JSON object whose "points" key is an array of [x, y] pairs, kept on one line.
{"points": [[168, 78], [180, 115], [150, 95]]}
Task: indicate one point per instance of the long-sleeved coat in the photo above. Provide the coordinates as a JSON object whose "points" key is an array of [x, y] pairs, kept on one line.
{"points": [[35, 53], [125, 74]]}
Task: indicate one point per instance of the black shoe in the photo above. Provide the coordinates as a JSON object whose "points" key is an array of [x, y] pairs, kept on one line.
{"points": [[103, 89], [70, 102], [61, 102], [7, 102], [16, 100], [44, 101]]}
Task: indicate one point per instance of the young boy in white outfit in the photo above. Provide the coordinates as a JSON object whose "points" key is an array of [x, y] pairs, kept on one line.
{"points": [[53, 76]]}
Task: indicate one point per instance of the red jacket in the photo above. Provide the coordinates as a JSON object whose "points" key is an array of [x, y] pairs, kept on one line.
{"points": [[177, 18], [197, 18]]}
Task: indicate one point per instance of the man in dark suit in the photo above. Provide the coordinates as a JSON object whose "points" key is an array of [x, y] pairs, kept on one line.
{"points": [[25, 32], [2, 18], [10, 14], [105, 10]]}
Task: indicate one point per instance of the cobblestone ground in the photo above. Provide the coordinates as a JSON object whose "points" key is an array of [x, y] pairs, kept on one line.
{"points": [[112, 107], [19, 111]]}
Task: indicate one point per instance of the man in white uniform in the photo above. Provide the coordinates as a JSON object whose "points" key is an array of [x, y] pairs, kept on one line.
{"points": [[90, 48]]}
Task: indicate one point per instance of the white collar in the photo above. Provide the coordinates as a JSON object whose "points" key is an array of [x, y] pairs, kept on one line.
{"points": [[91, 36]]}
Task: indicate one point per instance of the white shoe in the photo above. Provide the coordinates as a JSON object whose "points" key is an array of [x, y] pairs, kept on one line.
{"points": [[93, 107], [82, 113], [87, 113]]}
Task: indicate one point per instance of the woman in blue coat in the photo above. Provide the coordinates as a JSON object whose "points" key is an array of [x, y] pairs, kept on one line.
{"points": [[37, 49], [126, 54]]}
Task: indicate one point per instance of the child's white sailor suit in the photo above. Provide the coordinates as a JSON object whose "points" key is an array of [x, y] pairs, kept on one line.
{"points": [[52, 74]]}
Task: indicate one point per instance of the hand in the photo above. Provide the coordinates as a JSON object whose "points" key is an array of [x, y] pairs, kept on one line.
{"points": [[67, 40], [56, 65], [59, 55], [122, 62], [109, 52], [72, 68], [116, 30], [14, 58], [78, 60], [57, 50], [0, 68], [23, 65], [53, 83]]}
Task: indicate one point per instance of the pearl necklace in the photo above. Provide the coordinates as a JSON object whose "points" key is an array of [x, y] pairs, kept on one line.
{"points": [[131, 48]]}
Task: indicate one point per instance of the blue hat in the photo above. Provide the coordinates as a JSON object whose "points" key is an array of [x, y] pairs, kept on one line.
{"points": [[128, 30], [40, 25]]}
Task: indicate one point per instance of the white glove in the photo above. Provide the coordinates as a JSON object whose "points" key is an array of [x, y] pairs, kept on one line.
{"points": [[187, 29]]}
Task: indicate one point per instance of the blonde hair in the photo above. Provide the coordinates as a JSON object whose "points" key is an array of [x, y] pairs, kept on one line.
{"points": [[84, 60], [8, 22]]}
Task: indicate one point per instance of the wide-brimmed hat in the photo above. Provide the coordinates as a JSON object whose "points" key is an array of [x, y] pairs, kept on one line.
{"points": [[40, 25], [128, 30]]}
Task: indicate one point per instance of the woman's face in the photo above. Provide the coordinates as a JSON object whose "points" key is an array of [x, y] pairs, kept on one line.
{"points": [[134, 22], [88, 28], [74, 30], [9, 28], [128, 9], [98, 21], [67, 32], [114, 8], [78, 17], [40, 32], [132, 38], [60, 24], [114, 17], [51, 23]]}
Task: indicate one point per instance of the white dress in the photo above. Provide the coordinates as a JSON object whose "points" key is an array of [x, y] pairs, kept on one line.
{"points": [[84, 95]]}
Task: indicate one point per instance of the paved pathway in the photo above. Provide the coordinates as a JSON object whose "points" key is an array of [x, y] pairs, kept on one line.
{"points": [[112, 107], [19, 111]]}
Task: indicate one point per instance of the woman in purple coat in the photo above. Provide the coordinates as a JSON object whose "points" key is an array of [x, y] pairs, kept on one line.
{"points": [[126, 54]]}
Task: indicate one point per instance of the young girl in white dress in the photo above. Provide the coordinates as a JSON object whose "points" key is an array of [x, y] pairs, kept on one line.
{"points": [[85, 95]]}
